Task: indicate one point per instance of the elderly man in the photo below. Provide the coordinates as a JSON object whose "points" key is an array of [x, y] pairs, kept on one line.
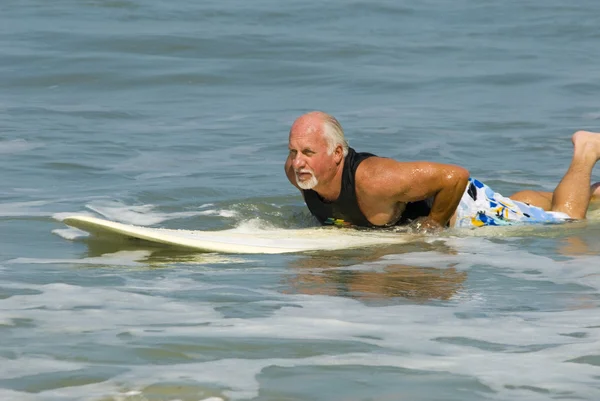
{"points": [[343, 187]]}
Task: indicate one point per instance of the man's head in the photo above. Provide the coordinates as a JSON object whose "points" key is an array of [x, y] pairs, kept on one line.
{"points": [[317, 146]]}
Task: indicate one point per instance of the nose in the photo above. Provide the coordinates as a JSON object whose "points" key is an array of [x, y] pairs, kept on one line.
{"points": [[299, 162]]}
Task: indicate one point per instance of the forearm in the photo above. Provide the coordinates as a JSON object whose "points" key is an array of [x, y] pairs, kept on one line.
{"points": [[447, 199]]}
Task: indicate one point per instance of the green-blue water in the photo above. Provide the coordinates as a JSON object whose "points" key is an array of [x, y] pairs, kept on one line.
{"points": [[176, 114]]}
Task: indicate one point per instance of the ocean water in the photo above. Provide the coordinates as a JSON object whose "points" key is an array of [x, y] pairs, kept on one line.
{"points": [[176, 113]]}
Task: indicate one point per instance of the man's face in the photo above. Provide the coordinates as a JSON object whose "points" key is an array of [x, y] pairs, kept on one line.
{"points": [[309, 157]]}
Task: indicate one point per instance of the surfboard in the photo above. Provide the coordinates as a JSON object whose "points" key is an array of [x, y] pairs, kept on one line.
{"points": [[235, 241]]}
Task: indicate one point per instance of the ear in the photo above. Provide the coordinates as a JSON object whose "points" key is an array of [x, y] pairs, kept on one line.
{"points": [[338, 154]]}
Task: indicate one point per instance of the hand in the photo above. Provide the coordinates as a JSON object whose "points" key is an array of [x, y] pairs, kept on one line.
{"points": [[424, 225]]}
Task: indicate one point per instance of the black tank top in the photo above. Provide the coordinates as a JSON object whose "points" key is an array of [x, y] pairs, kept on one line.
{"points": [[344, 210]]}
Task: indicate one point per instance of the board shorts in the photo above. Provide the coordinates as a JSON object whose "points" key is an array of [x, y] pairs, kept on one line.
{"points": [[481, 206]]}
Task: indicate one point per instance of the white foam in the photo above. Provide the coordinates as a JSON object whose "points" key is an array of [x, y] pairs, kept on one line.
{"points": [[255, 225], [508, 260], [121, 258], [70, 233], [30, 208], [9, 395], [62, 215], [240, 375], [221, 213], [17, 146], [100, 312], [501, 350], [592, 116], [408, 333], [94, 391], [141, 215], [25, 366], [339, 319]]}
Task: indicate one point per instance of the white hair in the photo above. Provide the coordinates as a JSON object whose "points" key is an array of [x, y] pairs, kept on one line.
{"points": [[334, 134]]}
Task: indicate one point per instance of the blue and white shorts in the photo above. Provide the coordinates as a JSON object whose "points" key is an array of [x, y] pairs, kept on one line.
{"points": [[481, 206]]}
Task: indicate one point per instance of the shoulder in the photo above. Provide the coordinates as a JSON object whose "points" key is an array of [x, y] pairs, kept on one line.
{"points": [[383, 168], [382, 176], [378, 174]]}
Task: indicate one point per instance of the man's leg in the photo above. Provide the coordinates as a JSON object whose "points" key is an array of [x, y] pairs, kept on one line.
{"points": [[534, 198], [544, 199], [573, 193]]}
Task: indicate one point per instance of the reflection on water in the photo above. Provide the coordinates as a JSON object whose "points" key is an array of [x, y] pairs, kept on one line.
{"points": [[414, 283], [582, 242], [361, 274], [357, 273], [154, 255]]}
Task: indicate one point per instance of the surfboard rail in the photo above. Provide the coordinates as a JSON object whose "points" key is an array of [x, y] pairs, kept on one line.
{"points": [[275, 241]]}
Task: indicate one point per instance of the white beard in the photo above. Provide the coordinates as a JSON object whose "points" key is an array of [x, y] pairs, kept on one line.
{"points": [[308, 184]]}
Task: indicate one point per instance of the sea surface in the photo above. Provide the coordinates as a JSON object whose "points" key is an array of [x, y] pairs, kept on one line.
{"points": [[176, 114]]}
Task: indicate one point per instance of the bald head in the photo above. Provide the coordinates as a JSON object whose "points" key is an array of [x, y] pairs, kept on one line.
{"points": [[320, 123]]}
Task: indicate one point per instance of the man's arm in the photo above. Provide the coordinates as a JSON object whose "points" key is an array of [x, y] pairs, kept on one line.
{"points": [[414, 181], [289, 172], [447, 199]]}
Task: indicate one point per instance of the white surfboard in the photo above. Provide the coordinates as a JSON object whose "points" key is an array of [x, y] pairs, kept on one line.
{"points": [[234, 241]]}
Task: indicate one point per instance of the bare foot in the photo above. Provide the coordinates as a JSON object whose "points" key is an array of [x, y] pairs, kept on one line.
{"points": [[587, 144]]}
